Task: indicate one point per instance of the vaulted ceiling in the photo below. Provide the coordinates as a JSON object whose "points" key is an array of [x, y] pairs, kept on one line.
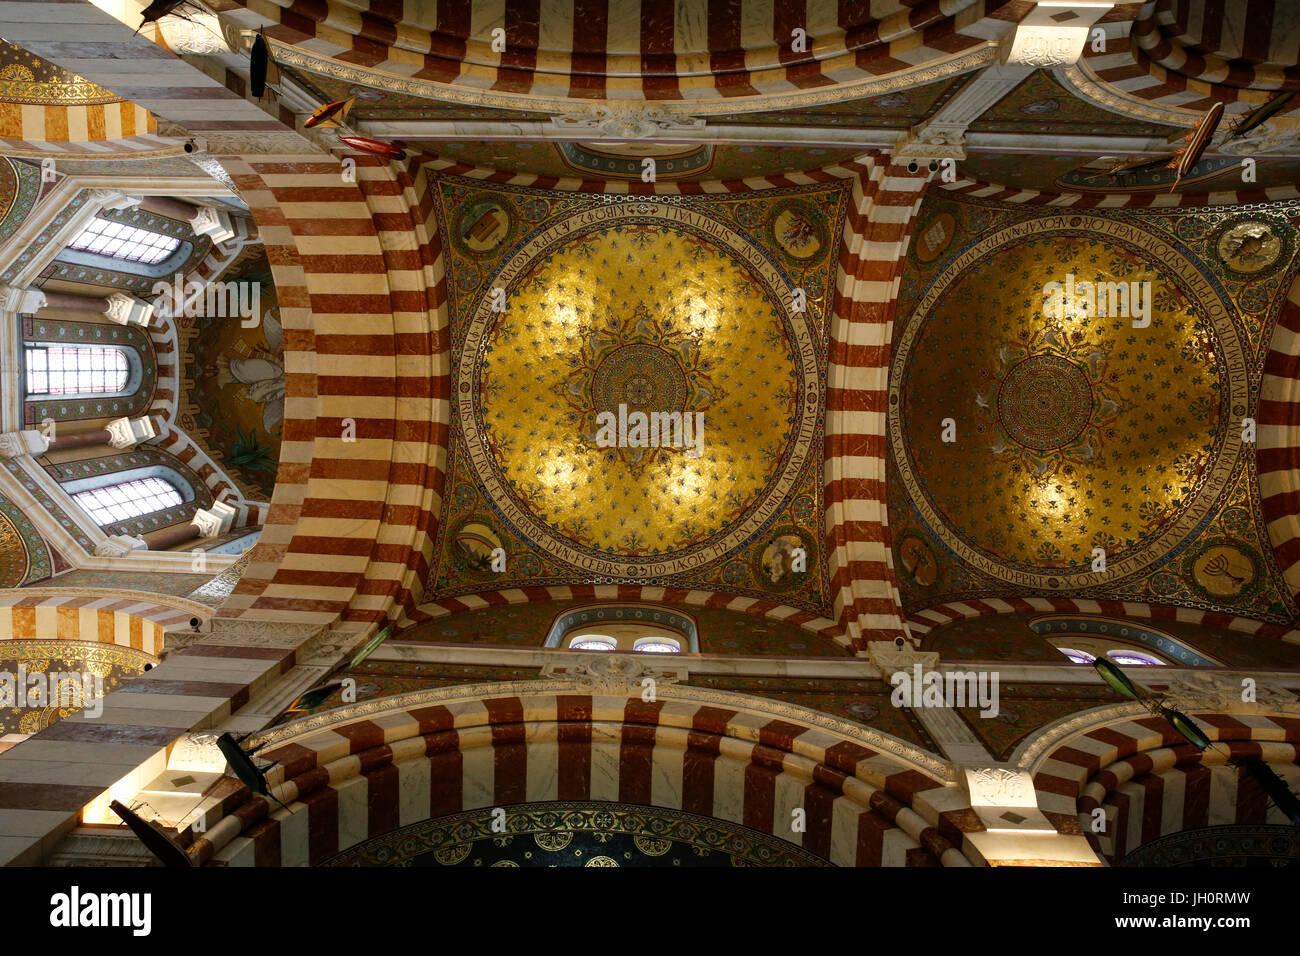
{"points": [[464, 441]]}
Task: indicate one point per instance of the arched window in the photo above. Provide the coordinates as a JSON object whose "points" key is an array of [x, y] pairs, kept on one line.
{"points": [[1135, 658], [593, 642], [1079, 657], [76, 370], [642, 628], [129, 499], [1085, 650], [657, 645], [119, 241]]}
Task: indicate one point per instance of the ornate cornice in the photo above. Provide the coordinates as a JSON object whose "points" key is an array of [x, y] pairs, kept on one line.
{"points": [[193, 608], [1085, 84], [872, 86]]}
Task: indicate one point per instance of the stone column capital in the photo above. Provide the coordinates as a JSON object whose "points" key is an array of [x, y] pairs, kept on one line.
{"points": [[128, 432], [216, 520], [16, 444], [24, 301], [128, 310], [213, 223], [112, 199], [118, 545]]}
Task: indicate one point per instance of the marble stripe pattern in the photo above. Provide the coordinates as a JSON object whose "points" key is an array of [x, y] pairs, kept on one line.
{"points": [[169, 88], [120, 617], [924, 621], [877, 231], [1083, 772], [137, 625], [365, 404], [1165, 60], [106, 124], [626, 592], [1278, 440], [1153, 794], [361, 777], [144, 146], [624, 50]]}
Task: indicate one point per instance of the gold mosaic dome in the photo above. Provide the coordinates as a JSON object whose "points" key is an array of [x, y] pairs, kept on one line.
{"points": [[651, 310], [1070, 427]]}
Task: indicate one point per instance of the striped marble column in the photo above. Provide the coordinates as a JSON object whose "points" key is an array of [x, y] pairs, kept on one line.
{"points": [[885, 201]]}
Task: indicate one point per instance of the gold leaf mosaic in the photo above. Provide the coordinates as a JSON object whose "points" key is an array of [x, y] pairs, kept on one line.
{"points": [[683, 307], [1073, 429]]}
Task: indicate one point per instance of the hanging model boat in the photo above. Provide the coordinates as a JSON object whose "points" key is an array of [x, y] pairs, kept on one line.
{"points": [[331, 114], [1199, 143], [1245, 124], [373, 147], [259, 63]]}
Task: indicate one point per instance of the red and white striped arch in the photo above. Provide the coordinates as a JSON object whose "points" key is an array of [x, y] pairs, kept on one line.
{"points": [[626, 592], [738, 52], [1190, 54], [1278, 440], [348, 777], [1150, 782]]}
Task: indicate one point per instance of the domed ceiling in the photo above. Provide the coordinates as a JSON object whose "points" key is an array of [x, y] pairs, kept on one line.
{"points": [[1077, 429], [645, 305]]}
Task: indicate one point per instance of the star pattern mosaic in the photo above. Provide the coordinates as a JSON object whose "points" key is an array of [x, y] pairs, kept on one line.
{"points": [[680, 303], [1119, 438]]}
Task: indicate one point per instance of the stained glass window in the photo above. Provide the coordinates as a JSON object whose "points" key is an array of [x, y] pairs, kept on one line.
{"points": [[1134, 658], [593, 642], [130, 499], [657, 645], [1079, 657], [120, 241], [75, 370]]}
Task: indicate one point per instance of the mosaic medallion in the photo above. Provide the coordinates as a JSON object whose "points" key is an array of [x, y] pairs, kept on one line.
{"points": [[571, 834], [646, 307], [1222, 568], [1045, 402], [641, 377], [1249, 246], [482, 227], [641, 364]]}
